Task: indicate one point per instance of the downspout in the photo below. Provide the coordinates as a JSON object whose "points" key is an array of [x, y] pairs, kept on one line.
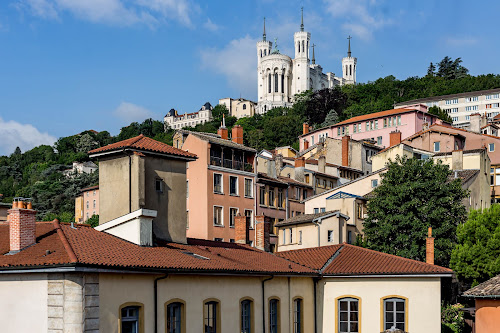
{"points": [[255, 200], [315, 282], [287, 208], [264, 304], [156, 299], [319, 231]]}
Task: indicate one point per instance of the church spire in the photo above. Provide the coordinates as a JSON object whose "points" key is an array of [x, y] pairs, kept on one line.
{"points": [[349, 48], [302, 19], [314, 58], [264, 34]]}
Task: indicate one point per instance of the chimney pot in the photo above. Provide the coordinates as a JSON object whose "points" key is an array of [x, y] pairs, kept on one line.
{"points": [[223, 133], [22, 225], [429, 247], [305, 128], [237, 134]]}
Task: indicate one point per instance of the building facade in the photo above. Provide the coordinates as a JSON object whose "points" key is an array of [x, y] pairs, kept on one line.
{"points": [[240, 107], [176, 121], [461, 106], [280, 78], [87, 204]]}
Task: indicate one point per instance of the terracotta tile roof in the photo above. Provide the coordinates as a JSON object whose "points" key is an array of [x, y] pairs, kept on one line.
{"points": [[91, 247], [214, 138], [490, 288], [346, 259], [464, 175], [143, 143], [315, 162], [264, 178], [293, 182], [303, 218], [443, 97]]}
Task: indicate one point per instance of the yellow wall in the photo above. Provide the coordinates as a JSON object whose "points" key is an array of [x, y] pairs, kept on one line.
{"points": [[423, 305], [116, 289]]}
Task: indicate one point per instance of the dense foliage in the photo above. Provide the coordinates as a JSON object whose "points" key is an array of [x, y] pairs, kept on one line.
{"points": [[476, 257], [414, 195], [452, 318]]}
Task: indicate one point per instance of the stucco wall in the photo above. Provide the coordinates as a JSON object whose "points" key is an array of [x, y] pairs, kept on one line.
{"points": [[193, 290], [487, 315], [423, 301]]}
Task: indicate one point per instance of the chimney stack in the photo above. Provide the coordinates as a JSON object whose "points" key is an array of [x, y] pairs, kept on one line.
{"points": [[305, 129], [241, 228], [429, 247], [22, 219], [457, 160], [345, 150], [223, 133], [237, 134], [322, 164], [300, 164], [394, 138], [263, 228], [278, 164]]}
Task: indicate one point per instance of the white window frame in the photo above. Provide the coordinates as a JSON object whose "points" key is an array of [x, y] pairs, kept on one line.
{"points": [[330, 236], [221, 183], [251, 187], [438, 146], [230, 216], [490, 145], [237, 186], [251, 217], [221, 216]]}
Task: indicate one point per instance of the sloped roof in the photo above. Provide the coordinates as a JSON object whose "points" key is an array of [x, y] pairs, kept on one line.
{"points": [[293, 182], [345, 259], [490, 288], [304, 218], [215, 138], [85, 246], [143, 143]]}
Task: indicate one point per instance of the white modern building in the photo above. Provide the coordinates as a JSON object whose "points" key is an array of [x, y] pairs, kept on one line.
{"points": [[460, 107], [279, 77], [175, 121]]}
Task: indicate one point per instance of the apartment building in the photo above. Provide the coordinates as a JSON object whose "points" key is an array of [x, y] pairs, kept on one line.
{"points": [[373, 126], [175, 120], [87, 204], [239, 107], [220, 184], [461, 106]]}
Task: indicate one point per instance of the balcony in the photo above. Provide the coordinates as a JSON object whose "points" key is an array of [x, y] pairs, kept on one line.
{"points": [[231, 164]]}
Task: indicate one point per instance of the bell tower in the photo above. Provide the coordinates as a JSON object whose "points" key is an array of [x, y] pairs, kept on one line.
{"points": [[263, 50], [301, 61], [349, 64]]}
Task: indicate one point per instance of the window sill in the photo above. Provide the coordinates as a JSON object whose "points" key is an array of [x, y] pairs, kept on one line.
{"points": [[221, 193], [248, 197], [263, 206], [234, 195], [219, 225]]}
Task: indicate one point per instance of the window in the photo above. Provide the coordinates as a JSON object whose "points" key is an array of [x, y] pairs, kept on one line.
{"points": [[175, 317], [187, 188], [274, 315], [374, 182], [94, 193], [211, 318], [232, 216], [284, 235], [272, 202], [244, 106], [379, 140], [394, 313], [349, 237], [297, 192], [262, 195], [233, 185], [330, 236], [359, 127], [218, 183], [291, 235], [471, 108], [348, 315], [399, 120], [491, 147], [437, 146], [87, 204], [275, 82], [338, 131], [159, 185], [312, 140], [269, 82], [316, 210], [300, 236], [376, 124], [297, 316], [385, 122], [218, 216], [280, 198], [246, 316], [467, 117], [367, 126], [129, 319], [218, 239], [322, 209], [355, 128], [249, 215], [248, 188]]}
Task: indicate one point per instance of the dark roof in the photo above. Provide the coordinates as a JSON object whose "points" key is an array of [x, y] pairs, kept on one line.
{"points": [[464, 175], [143, 143], [293, 182], [85, 246], [264, 178], [490, 288], [438, 98], [304, 218], [216, 139], [207, 106], [345, 259], [96, 187]]}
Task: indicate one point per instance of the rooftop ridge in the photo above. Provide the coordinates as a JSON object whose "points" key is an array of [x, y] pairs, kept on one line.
{"points": [[64, 241]]}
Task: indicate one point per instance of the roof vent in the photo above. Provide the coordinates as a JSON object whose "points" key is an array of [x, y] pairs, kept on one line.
{"points": [[194, 255]]}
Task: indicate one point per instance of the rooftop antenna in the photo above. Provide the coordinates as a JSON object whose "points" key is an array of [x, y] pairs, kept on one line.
{"points": [[349, 48], [302, 19], [264, 34]]}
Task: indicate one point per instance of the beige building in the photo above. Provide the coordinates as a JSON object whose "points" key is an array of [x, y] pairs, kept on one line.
{"points": [[87, 204], [175, 120], [239, 107], [461, 106]]}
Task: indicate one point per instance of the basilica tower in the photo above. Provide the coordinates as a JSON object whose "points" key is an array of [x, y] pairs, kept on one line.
{"points": [[349, 66], [263, 49], [300, 82]]}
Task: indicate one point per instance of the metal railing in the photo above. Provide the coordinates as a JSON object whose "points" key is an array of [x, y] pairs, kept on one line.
{"points": [[230, 164]]}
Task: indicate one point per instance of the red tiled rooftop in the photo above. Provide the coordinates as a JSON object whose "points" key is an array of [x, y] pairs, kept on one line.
{"points": [[144, 143], [353, 260]]}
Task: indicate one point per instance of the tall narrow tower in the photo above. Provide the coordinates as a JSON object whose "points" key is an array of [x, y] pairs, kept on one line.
{"points": [[263, 50], [349, 66], [301, 72]]}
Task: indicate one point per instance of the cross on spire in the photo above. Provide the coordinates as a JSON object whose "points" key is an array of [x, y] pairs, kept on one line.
{"points": [[313, 59], [302, 19], [349, 49]]}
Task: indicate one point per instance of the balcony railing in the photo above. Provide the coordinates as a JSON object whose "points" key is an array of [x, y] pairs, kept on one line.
{"points": [[230, 164]]}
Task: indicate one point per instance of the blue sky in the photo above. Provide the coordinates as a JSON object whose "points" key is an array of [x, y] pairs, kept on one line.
{"points": [[72, 65]]}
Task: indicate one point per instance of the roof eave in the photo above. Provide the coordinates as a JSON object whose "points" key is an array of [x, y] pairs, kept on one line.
{"points": [[121, 149]]}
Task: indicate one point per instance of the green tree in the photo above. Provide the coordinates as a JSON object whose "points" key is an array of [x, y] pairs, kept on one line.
{"points": [[414, 195], [217, 112], [440, 113], [431, 69], [93, 221], [331, 118], [322, 102], [476, 257]]}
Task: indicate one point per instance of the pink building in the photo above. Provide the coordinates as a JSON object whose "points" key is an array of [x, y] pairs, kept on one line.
{"points": [[375, 126], [87, 204]]}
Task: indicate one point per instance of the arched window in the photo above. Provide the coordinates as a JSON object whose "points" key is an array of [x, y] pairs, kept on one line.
{"points": [[350, 69], [298, 46], [175, 316], [269, 78], [303, 48], [283, 83], [395, 313], [346, 73], [274, 315], [211, 316], [244, 106], [265, 108], [298, 316], [261, 53], [348, 315], [132, 318], [246, 319], [265, 52], [276, 82]]}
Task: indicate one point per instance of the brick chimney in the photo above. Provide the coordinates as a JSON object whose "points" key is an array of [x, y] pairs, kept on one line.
{"points": [[394, 138], [305, 128], [22, 219], [345, 150], [241, 228], [222, 129], [300, 164], [263, 228], [457, 160], [429, 247], [306, 144], [237, 134], [322, 164]]}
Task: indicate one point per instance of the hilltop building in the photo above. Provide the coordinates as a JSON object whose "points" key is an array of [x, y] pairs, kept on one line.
{"points": [[279, 77], [87, 204], [239, 107], [175, 121]]}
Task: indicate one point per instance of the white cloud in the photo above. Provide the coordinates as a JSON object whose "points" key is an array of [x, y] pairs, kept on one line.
{"points": [[362, 17], [129, 112], [237, 61], [209, 25], [461, 41], [24, 136], [113, 12]]}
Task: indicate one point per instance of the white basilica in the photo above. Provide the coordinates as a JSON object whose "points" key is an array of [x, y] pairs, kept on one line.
{"points": [[280, 77]]}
